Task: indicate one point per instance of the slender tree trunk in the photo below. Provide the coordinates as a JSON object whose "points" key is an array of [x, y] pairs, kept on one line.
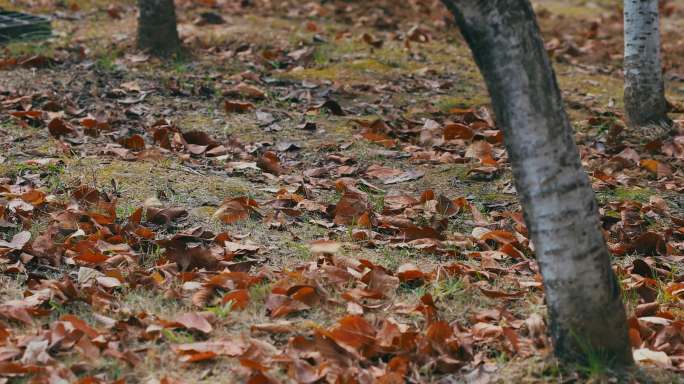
{"points": [[644, 86], [582, 294], [157, 31]]}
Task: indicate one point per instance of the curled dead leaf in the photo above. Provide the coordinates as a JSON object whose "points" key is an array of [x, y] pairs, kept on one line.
{"points": [[236, 209]]}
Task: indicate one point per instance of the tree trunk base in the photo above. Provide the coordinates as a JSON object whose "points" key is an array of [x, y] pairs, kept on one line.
{"points": [[651, 132], [157, 29]]}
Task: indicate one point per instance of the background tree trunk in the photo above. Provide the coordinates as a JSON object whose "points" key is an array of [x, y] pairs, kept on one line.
{"points": [[583, 297], [157, 31], [644, 86]]}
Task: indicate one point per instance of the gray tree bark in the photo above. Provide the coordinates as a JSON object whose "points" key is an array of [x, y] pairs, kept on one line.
{"points": [[644, 86], [586, 313], [157, 30]]}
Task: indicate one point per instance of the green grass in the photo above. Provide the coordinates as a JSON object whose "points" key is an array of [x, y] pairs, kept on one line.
{"points": [[392, 258], [257, 296], [149, 258], [30, 47], [52, 175], [321, 55], [299, 249], [448, 288], [107, 62], [222, 311], [595, 363], [124, 210], [177, 336]]}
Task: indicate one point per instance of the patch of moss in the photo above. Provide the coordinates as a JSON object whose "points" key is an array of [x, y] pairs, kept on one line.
{"points": [[368, 65], [392, 54], [12, 128], [623, 194], [637, 194], [30, 48], [602, 87], [196, 121], [50, 174], [298, 249], [356, 70], [494, 197], [579, 11], [242, 126], [203, 212], [465, 100], [444, 175], [5, 170], [137, 181]]}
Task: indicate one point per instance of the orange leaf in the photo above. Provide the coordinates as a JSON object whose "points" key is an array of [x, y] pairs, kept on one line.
{"points": [[650, 164], [232, 106], [236, 209], [134, 143], [90, 256], [196, 357], [29, 114], [439, 330], [379, 138], [239, 298], [351, 207], [409, 272], [458, 131], [270, 163], [58, 127], [355, 332]]}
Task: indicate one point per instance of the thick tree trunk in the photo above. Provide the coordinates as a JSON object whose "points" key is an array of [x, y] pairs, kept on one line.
{"points": [[157, 31], [585, 309], [644, 86]]}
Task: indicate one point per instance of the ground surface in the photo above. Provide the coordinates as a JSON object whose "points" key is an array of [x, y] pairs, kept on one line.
{"points": [[309, 193]]}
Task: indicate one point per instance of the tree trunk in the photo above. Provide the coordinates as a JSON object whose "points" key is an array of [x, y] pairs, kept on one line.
{"points": [[586, 313], [157, 31], [644, 86]]}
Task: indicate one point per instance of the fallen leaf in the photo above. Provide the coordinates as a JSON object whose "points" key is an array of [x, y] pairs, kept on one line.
{"points": [[647, 356], [194, 321], [232, 106], [235, 209], [18, 241], [239, 299], [270, 163], [351, 207], [404, 177]]}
